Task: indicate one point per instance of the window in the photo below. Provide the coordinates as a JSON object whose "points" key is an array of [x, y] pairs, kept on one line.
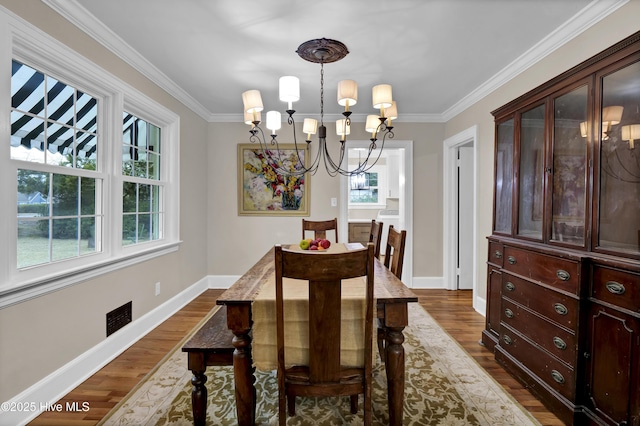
{"points": [[141, 194], [364, 188], [54, 125], [91, 175]]}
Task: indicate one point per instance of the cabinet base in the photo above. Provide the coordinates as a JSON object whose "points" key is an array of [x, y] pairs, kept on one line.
{"points": [[489, 340], [556, 403]]}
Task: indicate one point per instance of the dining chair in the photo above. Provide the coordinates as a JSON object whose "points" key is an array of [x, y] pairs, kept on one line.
{"points": [[394, 253], [393, 260], [320, 228], [324, 375], [375, 236]]}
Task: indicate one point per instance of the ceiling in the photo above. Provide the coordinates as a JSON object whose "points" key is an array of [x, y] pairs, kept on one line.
{"points": [[439, 55]]}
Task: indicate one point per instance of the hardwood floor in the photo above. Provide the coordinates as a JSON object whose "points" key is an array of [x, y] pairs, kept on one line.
{"points": [[103, 390]]}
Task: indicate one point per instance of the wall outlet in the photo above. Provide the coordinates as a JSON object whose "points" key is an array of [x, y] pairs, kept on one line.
{"points": [[334, 202], [157, 288]]}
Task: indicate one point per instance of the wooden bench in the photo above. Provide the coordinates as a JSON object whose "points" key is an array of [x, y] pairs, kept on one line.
{"points": [[210, 346]]}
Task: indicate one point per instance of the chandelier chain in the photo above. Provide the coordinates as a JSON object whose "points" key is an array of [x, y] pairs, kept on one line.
{"points": [[322, 93]]}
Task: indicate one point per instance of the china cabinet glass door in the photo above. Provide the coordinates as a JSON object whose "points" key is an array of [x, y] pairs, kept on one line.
{"points": [[504, 178], [531, 177], [569, 186], [618, 220]]}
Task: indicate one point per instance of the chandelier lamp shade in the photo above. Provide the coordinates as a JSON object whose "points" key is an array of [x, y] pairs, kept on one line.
{"points": [[322, 51]]}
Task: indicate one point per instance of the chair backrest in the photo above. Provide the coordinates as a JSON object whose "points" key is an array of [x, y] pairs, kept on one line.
{"points": [[394, 253], [320, 228], [375, 236], [325, 272]]}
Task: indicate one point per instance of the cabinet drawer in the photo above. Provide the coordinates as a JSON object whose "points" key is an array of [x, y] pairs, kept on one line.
{"points": [[620, 288], [557, 307], [359, 232], [556, 340], [552, 371], [496, 251], [554, 271]]}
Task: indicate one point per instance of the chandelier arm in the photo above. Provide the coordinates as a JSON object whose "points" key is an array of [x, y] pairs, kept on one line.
{"points": [[626, 170], [365, 167], [334, 168]]}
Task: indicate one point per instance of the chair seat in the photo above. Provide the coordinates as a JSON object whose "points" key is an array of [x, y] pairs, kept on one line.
{"points": [[300, 374]]}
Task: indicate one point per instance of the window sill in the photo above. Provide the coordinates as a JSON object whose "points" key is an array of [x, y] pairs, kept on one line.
{"points": [[15, 295]]}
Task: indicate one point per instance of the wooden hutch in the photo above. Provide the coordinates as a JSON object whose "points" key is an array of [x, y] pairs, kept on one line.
{"points": [[563, 284]]}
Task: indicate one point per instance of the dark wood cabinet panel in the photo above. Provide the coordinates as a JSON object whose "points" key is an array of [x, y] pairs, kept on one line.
{"points": [[564, 255], [612, 391]]}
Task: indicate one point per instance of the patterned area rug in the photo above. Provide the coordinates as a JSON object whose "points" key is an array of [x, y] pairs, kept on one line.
{"points": [[444, 386]]}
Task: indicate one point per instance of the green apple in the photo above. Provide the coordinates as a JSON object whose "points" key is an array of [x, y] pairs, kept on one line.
{"points": [[304, 244]]}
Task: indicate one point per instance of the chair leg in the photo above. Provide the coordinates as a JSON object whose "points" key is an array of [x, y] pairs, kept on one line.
{"points": [[368, 410], [291, 402], [382, 339], [354, 404]]}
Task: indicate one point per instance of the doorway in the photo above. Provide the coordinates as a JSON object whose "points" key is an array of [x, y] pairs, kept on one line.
{"points": [[400, 178], [459, 215]]}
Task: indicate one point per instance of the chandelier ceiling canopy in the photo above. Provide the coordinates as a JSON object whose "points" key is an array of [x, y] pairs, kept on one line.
{"points": [[321, 51]]}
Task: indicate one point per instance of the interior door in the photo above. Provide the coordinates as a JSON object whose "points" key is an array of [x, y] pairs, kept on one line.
{"points": [[465, 218]]}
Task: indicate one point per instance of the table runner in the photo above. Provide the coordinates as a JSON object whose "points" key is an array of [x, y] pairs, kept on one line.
{"points": [[296, 294]]}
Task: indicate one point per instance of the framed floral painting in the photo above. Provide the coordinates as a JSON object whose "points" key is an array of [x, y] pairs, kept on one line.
{"points": [[262, 191]]}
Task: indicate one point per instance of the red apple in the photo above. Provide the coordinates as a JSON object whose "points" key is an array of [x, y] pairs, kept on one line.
{"points": [[313, 247], [325, 243]]}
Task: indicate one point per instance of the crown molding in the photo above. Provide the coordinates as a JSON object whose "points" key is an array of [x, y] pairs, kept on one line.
{"points": [[594, 12], [587, 17], [74, 12]]}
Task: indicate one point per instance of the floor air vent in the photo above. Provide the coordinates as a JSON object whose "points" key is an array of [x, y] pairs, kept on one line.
{"points": [[118, 318]]}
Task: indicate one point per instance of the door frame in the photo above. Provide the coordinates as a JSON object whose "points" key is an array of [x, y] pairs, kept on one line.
{"points": [[450, 207], [406, 201]]}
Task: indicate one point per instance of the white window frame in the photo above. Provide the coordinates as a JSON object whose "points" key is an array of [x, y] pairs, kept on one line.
{"points": [[23, 42], [381, 170]]}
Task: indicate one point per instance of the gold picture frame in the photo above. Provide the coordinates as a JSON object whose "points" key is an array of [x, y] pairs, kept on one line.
{"points": [[262, 191]]}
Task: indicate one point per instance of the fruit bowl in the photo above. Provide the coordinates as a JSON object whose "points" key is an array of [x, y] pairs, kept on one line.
{"points": [[317, 244]]}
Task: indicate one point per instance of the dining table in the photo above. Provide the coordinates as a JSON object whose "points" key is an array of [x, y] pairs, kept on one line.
{"points": [[391, 297]]}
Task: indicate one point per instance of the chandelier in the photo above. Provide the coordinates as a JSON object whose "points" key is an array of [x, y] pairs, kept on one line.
{"points": [[322, 51]]}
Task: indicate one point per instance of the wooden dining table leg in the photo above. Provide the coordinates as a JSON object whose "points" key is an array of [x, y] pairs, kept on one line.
{"points": [[395, 319], [239, 322]]}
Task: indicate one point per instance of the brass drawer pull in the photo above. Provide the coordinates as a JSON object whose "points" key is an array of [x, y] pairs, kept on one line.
{"points": [[563, 275], [508, 313], [498, 254], [509, 285], [557, 376], [560, 344], [511, 260], [615, 288], [507, 339], [560, 308]]}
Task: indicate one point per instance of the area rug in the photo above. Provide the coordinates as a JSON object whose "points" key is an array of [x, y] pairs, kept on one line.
{"points": [[444, 386]]}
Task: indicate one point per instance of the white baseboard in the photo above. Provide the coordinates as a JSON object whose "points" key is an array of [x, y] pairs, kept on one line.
{"points": [[428, 282], [59, 383], [480, 305], [221, 281]]}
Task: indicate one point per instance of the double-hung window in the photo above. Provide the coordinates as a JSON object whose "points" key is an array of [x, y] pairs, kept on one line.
{"points": [[54, 141], [90, 170]]}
